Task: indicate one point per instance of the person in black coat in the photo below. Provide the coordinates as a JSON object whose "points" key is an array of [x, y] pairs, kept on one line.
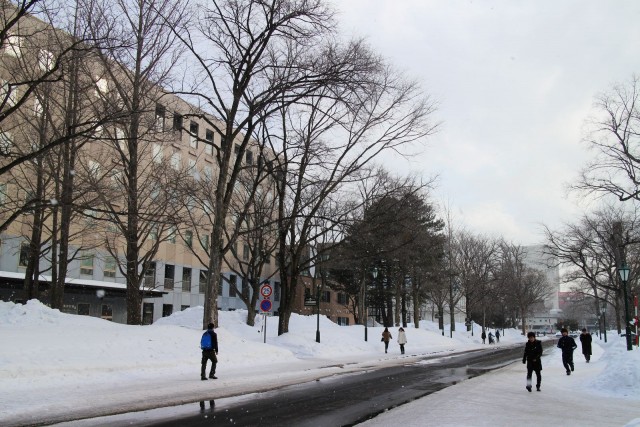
{"points": [[533, 358], [209, 353], [567, 345], [585, 340]]}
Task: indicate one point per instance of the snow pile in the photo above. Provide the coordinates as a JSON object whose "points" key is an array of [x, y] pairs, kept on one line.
{"points": [[621, 374]]}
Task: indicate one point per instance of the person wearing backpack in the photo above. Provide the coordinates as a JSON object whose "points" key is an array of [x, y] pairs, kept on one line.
{"points": [[209, 346]]}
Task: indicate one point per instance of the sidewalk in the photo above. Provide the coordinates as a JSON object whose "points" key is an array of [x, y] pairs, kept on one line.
{"points": [[499, 398]]}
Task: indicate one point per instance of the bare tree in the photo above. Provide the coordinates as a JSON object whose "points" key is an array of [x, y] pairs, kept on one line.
{"points": [[614, 136], [138, 48]]}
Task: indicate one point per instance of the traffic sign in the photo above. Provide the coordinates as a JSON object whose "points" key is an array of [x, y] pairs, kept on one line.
{"points": [[266, 290], [265, 305]]}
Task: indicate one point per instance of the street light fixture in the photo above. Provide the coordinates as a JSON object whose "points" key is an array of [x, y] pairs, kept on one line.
{"points": [[624, 275], [374, 273], [603, 310]]}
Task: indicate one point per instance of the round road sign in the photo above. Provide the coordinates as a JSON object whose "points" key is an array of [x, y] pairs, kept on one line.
{"points": [[266, 290], [265, 305]]}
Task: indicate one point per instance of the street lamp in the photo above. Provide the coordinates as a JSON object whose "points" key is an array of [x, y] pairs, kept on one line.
{"points": [[374, 273], [624, 275], [603, 310]]}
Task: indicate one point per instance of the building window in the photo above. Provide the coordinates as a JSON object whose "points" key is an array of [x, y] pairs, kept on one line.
{"points": [[157, 153], [326, 296], [183, 307], [171, 234], [249, 157], [107, 312], [188, 238], [176, 159], [23, 259], [150, 275], [45, 60], [86, 264], [186, 279], [110, 267], [167, 310], [3, 193], [193, 135], [233, 280], [13, 46], [102, 86], [204, 241], [177, 122], [169, 271], [208, 172], [245, 288], [342, 298], [343, 321], [37, 108], [83, 309], [245, 252], [147, 313], [8, 95], [208, 147], [153, 233], [160, 113], [5, 142], [202, 281]]}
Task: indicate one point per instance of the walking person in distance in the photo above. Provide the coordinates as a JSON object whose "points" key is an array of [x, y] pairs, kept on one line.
{"points": [[386, 337], [209, 346], [402, 339], [567, 345], [533, 358], [585, 340], [483, 336]]}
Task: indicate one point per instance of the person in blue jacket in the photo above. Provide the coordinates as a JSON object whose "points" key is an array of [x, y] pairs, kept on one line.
{"points": [[532, 357], [567, 345]]}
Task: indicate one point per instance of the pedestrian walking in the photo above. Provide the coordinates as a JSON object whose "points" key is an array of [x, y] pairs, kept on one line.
{"points": [[483, 336], [497, 336], [533, 358], [567, 345], [386, 337], [490, 338], [209, 346], [585, 340], [402, 339]]}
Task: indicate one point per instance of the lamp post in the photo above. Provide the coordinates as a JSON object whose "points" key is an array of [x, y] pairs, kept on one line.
{"points": [[374, 273], [603, 310], [624, 275]]}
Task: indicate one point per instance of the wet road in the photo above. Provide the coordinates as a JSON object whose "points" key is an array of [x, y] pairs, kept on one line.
{"points": [[342, 400]]}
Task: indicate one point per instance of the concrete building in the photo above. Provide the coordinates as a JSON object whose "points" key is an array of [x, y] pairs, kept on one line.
{"points": [[179, 144]]}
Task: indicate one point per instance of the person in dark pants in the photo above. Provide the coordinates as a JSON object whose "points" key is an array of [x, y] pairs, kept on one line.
{"points": [[585, 340], [497, 336], [209, 347], [483, 336], [386, 336], [533, 358], [567, 345]]}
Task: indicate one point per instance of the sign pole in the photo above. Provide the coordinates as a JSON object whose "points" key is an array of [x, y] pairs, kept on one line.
{"points": [[264, 317]]}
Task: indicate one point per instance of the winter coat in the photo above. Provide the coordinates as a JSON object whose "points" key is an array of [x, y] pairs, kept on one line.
{"points": [[585, 340], [533, 354], [402, 337], [483, 336], [386, 336], [567, 345]]}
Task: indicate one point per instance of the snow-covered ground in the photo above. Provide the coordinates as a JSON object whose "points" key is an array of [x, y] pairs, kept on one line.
{"points": [[55, 367]]}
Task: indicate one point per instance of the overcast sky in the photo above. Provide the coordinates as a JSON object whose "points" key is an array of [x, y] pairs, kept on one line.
{"points": [[515, 81]]}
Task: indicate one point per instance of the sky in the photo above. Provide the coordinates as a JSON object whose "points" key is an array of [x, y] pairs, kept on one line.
{"points": [[70, 366], [514, 82]]}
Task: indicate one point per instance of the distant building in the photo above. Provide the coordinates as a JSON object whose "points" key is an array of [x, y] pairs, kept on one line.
{"points": [[544, 316]]}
